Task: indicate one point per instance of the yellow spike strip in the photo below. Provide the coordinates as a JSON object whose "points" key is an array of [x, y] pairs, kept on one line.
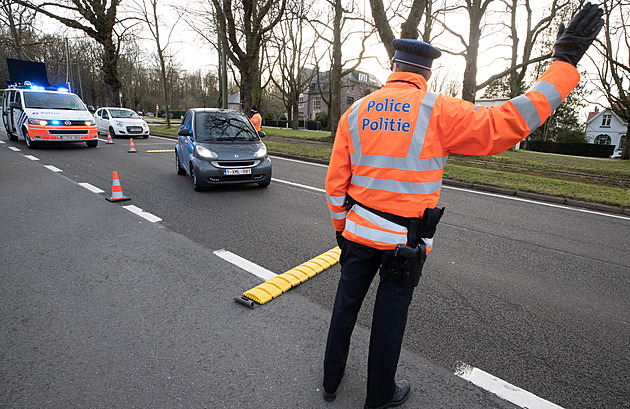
{"points": [[281, 283], [160, 150]]}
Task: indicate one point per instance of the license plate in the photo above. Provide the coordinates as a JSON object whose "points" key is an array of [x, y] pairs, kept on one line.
{"points": [[135, 129], [228, 172], [69, 137]]}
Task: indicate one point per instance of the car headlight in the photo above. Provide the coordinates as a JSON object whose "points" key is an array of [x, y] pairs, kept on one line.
{"points": [[90, 123], [261, 153], [119, 124], [205, 153], [35, 121]]}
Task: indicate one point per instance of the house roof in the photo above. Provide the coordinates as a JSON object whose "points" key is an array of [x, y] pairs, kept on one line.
{"points": [[594, 115], [234, 98]]}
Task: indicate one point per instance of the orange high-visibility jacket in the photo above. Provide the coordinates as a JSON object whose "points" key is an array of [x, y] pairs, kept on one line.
{"points": [[256, 120], [391, 147]]}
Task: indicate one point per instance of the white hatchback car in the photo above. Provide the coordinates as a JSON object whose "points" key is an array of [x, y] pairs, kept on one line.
{"points": [[120, 122]]}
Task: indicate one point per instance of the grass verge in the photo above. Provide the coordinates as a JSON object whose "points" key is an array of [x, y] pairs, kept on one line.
{"points": [[545, 186]]}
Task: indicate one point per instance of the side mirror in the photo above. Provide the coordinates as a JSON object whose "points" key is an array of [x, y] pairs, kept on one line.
{"points": [[261, 134], [184, 132], [15, 105]]}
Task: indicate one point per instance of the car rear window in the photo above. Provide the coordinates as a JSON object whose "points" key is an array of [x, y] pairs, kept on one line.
{"points": [[223, 126]]}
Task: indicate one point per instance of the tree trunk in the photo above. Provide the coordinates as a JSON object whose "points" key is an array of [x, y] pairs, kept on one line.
{"points": [[335, 72], [625, 153], [110, 72]]}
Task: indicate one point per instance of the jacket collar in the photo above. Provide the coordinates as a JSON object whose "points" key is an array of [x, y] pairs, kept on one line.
{"points": [[406, 79]]}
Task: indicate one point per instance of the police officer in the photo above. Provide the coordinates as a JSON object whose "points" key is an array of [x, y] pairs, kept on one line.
{"points": [[256, 119], [385, 172]]}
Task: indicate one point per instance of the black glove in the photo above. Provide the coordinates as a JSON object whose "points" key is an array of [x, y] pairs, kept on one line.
{"points": [[340, 238], [571, 44]]}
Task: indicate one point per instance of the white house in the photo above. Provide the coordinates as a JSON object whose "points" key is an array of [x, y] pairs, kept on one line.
{"points": [[606, 128]]}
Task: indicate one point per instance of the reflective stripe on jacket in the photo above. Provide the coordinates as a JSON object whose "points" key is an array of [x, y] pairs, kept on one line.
{"points": [[391, 147], [256, 120]]}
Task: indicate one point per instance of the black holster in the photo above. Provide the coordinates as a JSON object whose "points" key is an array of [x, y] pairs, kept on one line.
{"points": [[405, 269]]}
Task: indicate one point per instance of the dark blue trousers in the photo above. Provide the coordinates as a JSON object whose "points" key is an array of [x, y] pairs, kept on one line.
{"points": [[359, 265]]}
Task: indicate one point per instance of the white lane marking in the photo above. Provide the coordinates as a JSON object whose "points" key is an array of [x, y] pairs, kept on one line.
{"points": [[246, 265], [299, 185], [2, 142], [300, 161], [31, 157], [518, 199], [91, 188], [145, 215], [14, 149], [53, 168], [503, 389]]}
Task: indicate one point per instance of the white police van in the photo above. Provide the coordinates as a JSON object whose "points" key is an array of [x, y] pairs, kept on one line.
{"points": [[39, 114]]}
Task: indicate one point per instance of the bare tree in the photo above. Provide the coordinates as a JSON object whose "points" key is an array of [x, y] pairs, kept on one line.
{"points": [[18, 20], [242, 36], [339, 68], [149, 11], [291, 56], [614, 72], [95, 19], [408, 29]]}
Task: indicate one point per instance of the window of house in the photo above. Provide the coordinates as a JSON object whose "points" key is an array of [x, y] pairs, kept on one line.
{"points": [[349, 100], [622, 142], [317, 103], [363, 77], [606, 120], [301, 101], [602, 139]]}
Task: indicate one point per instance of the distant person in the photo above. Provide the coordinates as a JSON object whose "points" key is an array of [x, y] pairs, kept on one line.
{"points": [[256, 118], [384, 182]]}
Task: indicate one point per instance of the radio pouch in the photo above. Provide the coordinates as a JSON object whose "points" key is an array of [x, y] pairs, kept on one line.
{"points": [[405, 268]]}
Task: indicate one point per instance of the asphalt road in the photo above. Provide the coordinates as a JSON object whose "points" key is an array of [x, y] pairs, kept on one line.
{"points": [[531, 293]]}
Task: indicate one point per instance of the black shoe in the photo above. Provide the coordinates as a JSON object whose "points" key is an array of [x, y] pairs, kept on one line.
{"points": [[329, 396], [400, 396]]}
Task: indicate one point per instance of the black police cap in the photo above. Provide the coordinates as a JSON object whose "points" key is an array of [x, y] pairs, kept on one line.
{"points": [[414, 52]]}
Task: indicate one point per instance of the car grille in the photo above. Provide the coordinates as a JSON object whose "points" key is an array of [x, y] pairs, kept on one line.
{"points": [[237, 164], [67, 132], [236, 178]]}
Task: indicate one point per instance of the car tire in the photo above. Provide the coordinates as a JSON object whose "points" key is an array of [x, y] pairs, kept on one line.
{"points": [[195, 182], [178, 165], [29, 142], [145, 136], [112, 133], [92, 144], [264, 184]]}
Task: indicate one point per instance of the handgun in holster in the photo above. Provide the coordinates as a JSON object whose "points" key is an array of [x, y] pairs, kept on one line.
{"points": [[405, 269]]}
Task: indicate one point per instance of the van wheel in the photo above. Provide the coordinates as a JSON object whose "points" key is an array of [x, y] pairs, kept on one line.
{"points": [[30, 143], [92, 144], [12, 137]]}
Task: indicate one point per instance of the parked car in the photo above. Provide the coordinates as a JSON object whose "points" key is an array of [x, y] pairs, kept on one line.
{"points": [[219, 146], [120, 122]]}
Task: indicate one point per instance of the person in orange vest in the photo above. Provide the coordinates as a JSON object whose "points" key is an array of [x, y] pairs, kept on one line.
{"points": [[384, 182], [256, 119]]}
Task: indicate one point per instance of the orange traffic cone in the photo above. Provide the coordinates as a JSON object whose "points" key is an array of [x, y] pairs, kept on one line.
{"points": [[109, 138], [132, 147], [117, 194]]}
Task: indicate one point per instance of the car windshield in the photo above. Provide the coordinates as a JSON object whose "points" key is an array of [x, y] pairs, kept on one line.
{"points": [[223, 126], [123, 113], [53, 100]]}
